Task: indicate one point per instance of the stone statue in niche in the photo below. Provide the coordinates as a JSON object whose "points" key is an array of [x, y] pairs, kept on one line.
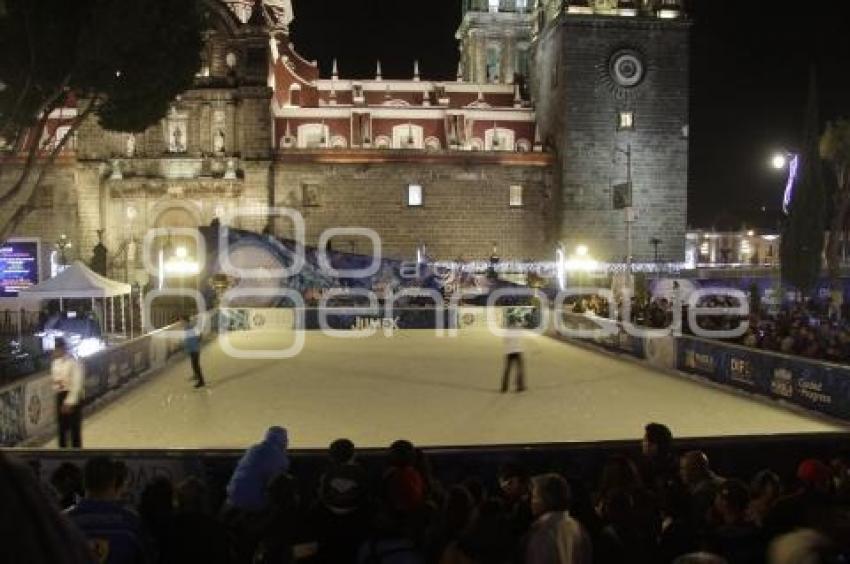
{"points": [[177, 140], [132, 250], [281, 12], [219, 142], [230, 171], [115, 172], [131, 146], [98, 261]]}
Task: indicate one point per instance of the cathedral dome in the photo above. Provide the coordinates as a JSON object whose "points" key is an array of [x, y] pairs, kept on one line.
{"points": [[242, 8], [279, 11]]}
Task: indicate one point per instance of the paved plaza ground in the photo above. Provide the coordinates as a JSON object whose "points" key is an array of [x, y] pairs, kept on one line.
{"points": [[433, 391]]}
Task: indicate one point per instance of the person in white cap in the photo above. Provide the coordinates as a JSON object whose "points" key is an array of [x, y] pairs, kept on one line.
{"points": [[67, 374]]}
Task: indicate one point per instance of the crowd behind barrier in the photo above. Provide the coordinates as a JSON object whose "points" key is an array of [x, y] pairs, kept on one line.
{"points": [[613, 502], [819, 386]]}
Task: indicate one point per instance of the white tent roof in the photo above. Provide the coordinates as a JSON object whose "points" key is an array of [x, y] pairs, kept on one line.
{"points": [[76, 281]]}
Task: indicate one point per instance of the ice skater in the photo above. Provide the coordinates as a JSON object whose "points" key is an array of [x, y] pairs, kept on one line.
{"points": [[513, 357], [67, 374], [192, 345]]}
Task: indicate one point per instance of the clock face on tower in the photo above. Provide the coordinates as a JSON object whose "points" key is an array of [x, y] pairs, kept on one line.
{"points": [[622, 72], [627, 68]]}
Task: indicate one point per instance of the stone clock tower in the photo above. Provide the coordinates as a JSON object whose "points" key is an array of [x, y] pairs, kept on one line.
{"points": [[611, 89]]}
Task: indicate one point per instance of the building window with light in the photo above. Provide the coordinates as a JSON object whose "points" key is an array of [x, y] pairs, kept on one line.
{"points": [[626, 121], [414, 195], [494, 62], [516, 196]]}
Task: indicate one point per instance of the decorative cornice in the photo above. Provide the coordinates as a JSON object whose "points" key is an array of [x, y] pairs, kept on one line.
{"points": [[388, 156]]}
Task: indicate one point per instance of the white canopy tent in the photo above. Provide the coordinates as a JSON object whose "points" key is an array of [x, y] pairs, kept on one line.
{"points": [[78, 281]]}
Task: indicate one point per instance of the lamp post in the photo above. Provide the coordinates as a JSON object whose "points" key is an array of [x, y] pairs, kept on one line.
{"points": [[656, 242], [630, 216]]}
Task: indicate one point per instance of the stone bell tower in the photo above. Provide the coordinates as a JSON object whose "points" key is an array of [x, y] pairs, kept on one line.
{"points": [[611, 90], [495, 37]]}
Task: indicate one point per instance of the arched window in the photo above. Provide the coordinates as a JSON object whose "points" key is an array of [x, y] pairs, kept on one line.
{"points": [[61, 133], [408, 136], [499, 139], [494, 62], [313, 136]]}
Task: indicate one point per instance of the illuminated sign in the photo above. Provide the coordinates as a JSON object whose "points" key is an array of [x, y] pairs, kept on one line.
{"points": [[18, 267]]}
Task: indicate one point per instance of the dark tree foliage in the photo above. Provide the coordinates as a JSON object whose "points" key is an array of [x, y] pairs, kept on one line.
{"points": [[134, 55], [804, 230], [122, 61]]}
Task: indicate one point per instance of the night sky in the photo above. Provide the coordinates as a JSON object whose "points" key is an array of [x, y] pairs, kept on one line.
{"points": [[749, 75]]}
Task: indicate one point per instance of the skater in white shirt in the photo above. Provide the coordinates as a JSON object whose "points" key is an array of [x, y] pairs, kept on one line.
{"points": [[67, 374], [513, 357]]}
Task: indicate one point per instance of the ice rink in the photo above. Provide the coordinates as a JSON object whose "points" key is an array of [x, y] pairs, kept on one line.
{"points": [[433, 391]]}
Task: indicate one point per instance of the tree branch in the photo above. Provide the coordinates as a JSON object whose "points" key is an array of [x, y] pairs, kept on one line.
{"points": [[23, 211], [47, 108]]}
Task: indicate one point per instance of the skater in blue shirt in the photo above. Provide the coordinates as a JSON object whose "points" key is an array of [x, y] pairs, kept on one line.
{"points": [[192, 345]]}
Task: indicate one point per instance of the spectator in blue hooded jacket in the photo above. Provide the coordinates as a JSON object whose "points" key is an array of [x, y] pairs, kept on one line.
{"points": [[261, 464]]}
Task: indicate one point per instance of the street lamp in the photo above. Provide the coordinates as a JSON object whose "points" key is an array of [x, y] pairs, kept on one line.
{"points": [[655, 242], [779, 161]]}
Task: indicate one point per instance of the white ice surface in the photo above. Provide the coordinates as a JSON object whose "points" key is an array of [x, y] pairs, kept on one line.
{"points": [[433, 391]]}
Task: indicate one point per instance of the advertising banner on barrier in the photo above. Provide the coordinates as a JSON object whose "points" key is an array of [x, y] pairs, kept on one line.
{"points": [[477, 317], [814, 385], [271, 319], [254, 319], [39, 406], [12, 427], [400, 319]]}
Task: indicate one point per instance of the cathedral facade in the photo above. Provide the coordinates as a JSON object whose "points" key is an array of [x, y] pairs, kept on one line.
{"points": [[521, 152]]}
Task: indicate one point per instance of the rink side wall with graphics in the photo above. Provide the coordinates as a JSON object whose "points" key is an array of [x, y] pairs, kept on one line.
{"points": [[27, 410], [341, 319], [27, 407], [817, 386]]}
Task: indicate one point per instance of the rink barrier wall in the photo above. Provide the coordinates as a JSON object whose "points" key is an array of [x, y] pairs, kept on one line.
{"points": [[817, 386], [740, 457], [27, 408], [461, 318]]}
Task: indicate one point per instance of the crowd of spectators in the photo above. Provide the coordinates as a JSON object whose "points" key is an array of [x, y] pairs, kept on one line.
{"points": [[656, 508], [801, 330]]}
